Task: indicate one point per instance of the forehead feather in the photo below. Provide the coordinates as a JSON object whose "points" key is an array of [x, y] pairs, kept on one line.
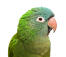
{"points": [[38, 11]]}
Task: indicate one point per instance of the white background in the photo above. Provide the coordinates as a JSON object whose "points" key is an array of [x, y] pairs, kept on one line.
{"points": [[11, 11]]}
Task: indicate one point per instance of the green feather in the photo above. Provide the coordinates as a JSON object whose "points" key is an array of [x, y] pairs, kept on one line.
{"points": [[31, 39]]}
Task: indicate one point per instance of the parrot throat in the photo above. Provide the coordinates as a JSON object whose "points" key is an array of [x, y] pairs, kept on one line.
{"points": [[37, 46]]}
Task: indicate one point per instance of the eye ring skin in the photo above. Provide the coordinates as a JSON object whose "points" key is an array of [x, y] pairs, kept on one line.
{"points": [[40, 19]]}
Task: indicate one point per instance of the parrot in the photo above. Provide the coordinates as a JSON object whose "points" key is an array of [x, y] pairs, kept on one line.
{"points": [[32, 36]]}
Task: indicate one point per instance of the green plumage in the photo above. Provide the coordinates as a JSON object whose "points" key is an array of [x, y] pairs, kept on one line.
{"points": [[31, 39]]}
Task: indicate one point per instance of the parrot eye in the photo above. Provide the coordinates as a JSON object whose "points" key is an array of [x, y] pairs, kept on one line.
{"points": [[40, 19]]}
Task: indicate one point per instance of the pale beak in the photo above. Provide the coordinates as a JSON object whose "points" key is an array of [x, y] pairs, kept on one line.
{"points": [[52, 23]]}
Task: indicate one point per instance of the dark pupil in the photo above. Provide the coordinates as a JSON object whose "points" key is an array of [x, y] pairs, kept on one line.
{"points": [[40, 19]]}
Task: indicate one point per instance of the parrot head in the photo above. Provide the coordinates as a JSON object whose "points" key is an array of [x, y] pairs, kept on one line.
{"points": [[37, 22], [34, 26]]}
